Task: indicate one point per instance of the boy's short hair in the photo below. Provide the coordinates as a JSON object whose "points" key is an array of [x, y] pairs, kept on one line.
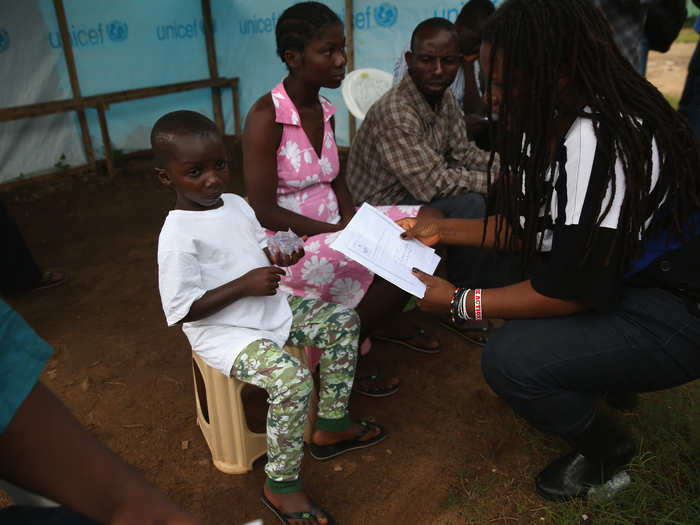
{"points": [[176, 124], [432, 23]]}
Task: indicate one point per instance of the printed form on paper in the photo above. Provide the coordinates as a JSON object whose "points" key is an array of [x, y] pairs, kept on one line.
{"points": [[372, 239]]}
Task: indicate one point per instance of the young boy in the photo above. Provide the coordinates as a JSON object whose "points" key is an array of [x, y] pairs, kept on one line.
{"points": [[216, 278]]}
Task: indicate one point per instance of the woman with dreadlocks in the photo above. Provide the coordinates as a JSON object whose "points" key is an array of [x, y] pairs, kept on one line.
{"points": [[599, 192]]}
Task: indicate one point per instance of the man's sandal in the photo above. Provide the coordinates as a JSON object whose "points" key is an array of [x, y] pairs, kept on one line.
{"points": [[477, 336], [50, 279], [373, 389], [288, 517], [324, 452], [412, 341]]}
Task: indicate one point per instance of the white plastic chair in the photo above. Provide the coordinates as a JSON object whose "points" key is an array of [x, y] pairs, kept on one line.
{"points": [[362, 88]]}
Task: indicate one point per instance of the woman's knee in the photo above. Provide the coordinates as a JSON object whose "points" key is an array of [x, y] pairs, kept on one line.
{"points": [[508, 360]]}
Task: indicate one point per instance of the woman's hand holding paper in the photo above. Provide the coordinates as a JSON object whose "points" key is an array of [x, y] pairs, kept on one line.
{"points": [[425, 230], [438, 293]]}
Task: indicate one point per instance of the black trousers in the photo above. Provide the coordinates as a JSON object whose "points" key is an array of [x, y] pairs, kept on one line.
{"points": [[551, 371], [19, 271]]}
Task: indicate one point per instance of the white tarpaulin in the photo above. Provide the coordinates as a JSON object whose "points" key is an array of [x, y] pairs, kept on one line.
{"points": [[132, 44]]}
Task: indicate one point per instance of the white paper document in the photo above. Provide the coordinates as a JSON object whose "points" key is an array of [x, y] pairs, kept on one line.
{"points": [[372, 239]]}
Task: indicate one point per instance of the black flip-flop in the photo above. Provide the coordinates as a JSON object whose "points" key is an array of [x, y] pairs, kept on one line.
{"points": [[464, 332], [50, 279], [324, 452], [406, 341], [285, 518], [377, 391]]}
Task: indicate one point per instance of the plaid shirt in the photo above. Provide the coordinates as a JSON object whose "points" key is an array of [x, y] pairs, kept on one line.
{"points": [[405, 148], [627, 19]]}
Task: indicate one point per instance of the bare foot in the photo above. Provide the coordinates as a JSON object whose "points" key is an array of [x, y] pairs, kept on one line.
{"points": [[295, 502]]}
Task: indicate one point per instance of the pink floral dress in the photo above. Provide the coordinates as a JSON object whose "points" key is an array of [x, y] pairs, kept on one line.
{"points": [[304, 187]]}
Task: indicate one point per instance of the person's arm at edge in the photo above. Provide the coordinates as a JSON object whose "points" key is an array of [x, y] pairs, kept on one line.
{"points": [[45, 450], [261, 139]]}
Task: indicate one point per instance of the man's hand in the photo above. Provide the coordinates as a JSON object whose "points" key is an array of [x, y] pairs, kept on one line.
{"points": [[438, 293], [262, 281], [426, 231]]}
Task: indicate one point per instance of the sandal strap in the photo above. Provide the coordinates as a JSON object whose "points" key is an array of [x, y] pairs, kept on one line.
{"points": [[305, 515], [367, 427]]}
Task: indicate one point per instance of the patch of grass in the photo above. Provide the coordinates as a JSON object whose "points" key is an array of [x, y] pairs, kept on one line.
{"points": [[665, 487], [672, 100], [687, 36]]}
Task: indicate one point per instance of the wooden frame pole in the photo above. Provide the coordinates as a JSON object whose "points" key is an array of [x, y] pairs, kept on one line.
{"points": [[73, 75], [213, 68], [109, 158], [350, 51], [236, 107]]}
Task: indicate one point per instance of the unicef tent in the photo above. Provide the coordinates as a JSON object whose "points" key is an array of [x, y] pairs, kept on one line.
{"points": [[68, 107], [128, 62]]}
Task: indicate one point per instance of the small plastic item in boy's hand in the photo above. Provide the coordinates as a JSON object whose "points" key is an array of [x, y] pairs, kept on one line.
{"points": [[285, 243]]}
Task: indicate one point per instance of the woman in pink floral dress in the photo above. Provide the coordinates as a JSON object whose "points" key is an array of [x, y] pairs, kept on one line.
{"points": [[293, 177]]}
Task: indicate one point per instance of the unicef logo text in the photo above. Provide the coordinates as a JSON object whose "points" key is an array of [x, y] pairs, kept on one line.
{"points": [[4, 39], [386, 14], [117, 31]]}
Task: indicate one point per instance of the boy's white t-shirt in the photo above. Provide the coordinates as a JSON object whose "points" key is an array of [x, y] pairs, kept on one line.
{"points": [[201, 250]]}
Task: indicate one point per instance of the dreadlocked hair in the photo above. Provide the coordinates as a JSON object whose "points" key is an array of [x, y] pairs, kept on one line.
{"points": [[300, 24], [540, 39]]}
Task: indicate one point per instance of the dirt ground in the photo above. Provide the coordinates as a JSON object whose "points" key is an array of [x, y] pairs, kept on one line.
{"points": [[455, 452], [667, 71]]}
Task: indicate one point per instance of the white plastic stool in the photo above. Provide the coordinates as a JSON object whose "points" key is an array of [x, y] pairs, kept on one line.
{"points": [[234, 447]]}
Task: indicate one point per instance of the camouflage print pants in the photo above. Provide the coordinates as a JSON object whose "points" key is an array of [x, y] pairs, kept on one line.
{"points": [[288, 382]]}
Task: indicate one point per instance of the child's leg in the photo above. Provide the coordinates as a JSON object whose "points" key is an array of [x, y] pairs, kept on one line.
{"points": [[336, 329], [288, 384]]}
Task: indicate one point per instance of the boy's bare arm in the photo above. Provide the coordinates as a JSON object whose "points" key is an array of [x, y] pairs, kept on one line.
{"points": [[257, 282], [45, 450]]}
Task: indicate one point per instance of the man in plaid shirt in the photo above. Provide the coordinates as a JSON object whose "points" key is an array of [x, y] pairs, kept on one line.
{"points": [[412, 147], [627, 19]]}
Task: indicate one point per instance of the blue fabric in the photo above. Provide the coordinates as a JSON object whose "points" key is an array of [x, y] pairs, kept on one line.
{"points": [[658, 246], [23, 355], [696, 25]]}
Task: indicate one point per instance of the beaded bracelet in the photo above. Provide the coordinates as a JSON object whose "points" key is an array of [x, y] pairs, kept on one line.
{"points": [[454, 306], [462, 310], [477, 304]]}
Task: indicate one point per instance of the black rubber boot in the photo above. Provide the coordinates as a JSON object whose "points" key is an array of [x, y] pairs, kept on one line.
{"points": [[600, 451]]}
